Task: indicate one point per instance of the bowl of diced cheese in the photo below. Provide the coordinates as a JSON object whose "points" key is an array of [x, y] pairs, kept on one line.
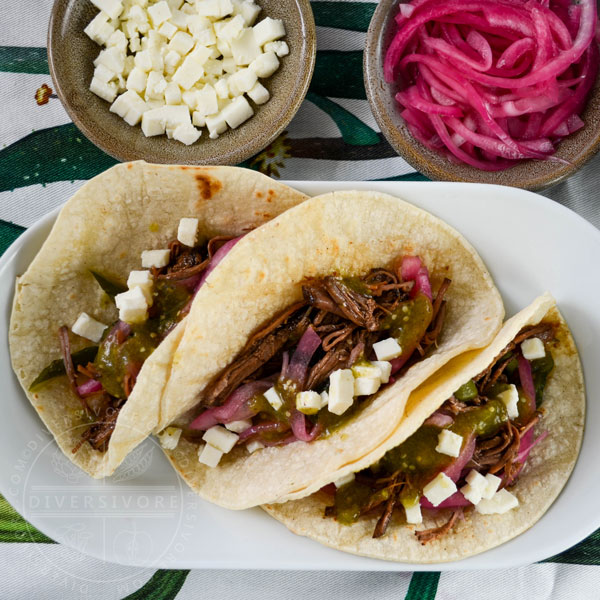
{"points": [[182, 81]]}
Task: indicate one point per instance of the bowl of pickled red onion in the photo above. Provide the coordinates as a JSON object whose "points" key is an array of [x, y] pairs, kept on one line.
{"points": [[504, 91]]}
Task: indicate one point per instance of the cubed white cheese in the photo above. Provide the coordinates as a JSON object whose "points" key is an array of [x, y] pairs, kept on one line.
{"points": [[188, 73], [112, 8], [492, 484], [222, 88], [365, 386], [200, 54], [471, 494], [172, 93], [449, 443], [259, 93], [103, 74], [159, 13], [280, 48], [477, 481], [221, 438], [239, 426], [198, 119], [186, 134], [533, 348], [129, 65], [254, 445], [206, 37], [155, 258], [229, 65], [181, 43], [385, 369], [88, 327], [155, 86], [366, 369], [231, 29], [179, 19], [173, 4], [273, 398], [214, 8], [268, 30], [237, 112], [324, 398], [413, 513], [143, 280], [344, 480], [265, 64], [112, 58], [341, 391], [198, 24], [247, 9], [224, 48], [245, 48], [143, 60], [106, 91], [169, 438], [216, 125], [242, 81], [153, 122], [309, 402], [118, 40], [99, 29], [510, 397], [387, 349], [209, 455], [135, 45], [171, 61], [187, 231], [206, 101], [501, 502], [167, 29], [439, 489], [132, 306], [135, 113]]}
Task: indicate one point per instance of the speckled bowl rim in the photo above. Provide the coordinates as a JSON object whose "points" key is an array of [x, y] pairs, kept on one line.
{"points": [[236, 154], [437, 167]]}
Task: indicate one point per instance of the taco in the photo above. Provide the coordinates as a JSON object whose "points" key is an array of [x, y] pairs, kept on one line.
{"points": [[341, 307], [93, 371], [484, 449]]}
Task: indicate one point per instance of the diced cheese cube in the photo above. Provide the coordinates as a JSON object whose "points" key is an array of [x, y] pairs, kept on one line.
{"points": [[112, 58], [187, 231], [533, 348], [385, 369], [136, 112], [223, 102], [265, 64], [413, 513], [179, 19], [171, 61], [143, 280], [103, 74], [206, 37], [341, 391], [112, 8], [143, 60], [188, 9], [222, 88], [242, 81], [247, 9], [510, 397], [477, 484], [254, 445], [280, 48], [132, 306], [213, 67], [155, 86], [106, 91], [492, 484], [135, 45], [118, 40], [245, 48], [239, 426], [197, 24], [174, 4], [229, 65], [169, 438], [216, 125], [198, 119], [231, 29], [156, 258], [88, 327], [344, 480], [237, 112], [153, 104], [273, 398], [172, 93], [167, 29], [366, 369], [365, 386], [125, 102], [159, 13], [182, 43], [268, 30], [501, 502], [309, 402], [259, 93], [190, 98], [439, 489], [129, 65], [99, 29], [188, 73], [200, 54], [387, 349], [186, 134], [324, 398], [156, 41], [209, 455], [224, 48], [221, 438], [471, 494], [214, 8], [449, 443]]}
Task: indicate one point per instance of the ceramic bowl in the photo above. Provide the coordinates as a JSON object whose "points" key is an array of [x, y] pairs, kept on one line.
{"points": [[529, 174], [71, 54]]}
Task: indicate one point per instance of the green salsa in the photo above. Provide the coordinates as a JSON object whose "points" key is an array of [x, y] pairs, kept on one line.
{"points": [[409, 322]]}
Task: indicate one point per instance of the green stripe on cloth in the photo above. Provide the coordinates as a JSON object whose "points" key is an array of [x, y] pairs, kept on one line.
{"points": [[339, 74], [9, 232], [423, 586], [585, 553], [59, 153], [354, 16], [163, 585], [17, 59], [407, 177], [15, 529]]}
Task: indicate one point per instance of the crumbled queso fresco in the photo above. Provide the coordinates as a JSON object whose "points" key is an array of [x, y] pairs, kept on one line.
{"points": [[176, 66]]}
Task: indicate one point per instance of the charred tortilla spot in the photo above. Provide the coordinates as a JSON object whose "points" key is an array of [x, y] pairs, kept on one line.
{"points": [[207, 186], [258, 194]]}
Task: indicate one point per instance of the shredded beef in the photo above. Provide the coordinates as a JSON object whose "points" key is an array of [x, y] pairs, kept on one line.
{"points": [[429, 535]]}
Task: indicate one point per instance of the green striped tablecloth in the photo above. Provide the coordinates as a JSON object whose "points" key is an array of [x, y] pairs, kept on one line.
{"points": [[44, 159]]}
